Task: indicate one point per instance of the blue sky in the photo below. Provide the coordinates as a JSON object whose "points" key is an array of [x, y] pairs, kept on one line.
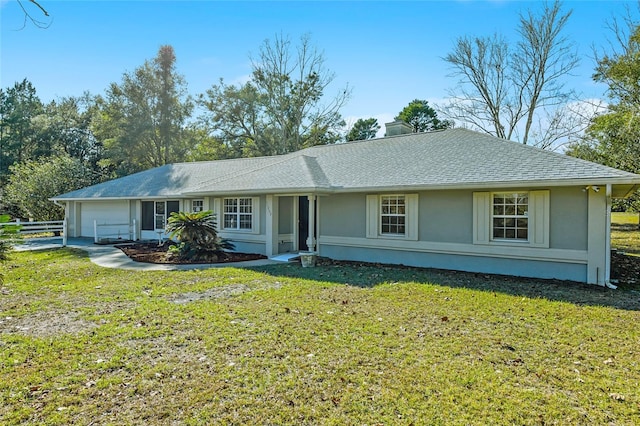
{"points": [[388, 52]]}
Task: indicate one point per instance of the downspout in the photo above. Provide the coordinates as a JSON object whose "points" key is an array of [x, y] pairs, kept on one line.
{"points": [[607, 244], [63, 205]]}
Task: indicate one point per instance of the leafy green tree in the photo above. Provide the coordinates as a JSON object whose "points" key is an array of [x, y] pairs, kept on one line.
{"points": [[33, 182], [143, 117], [613, 138], [363, 129], [71, 128], [236, 117], [284, 107], [30, 130], [205, 147], [422, 117], [66, 127], [20, 108], [197, 234]]}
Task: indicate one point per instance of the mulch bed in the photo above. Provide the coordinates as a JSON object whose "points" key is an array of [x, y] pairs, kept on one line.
{"points": [[154, 253]]}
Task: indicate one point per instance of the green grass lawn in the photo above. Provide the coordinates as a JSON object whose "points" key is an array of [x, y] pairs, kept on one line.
{"points": [[328, 345], [625, 233]]}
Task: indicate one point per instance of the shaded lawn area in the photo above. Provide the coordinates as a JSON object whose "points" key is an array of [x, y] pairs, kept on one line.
{"points": [[356, 344], [625, 233]]}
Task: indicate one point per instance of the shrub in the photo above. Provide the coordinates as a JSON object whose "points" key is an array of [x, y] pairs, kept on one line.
{"points": [[33, 182], [197, 235], [5, 247]]}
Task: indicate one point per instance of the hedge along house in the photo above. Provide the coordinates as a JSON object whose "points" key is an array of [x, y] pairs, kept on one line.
{"points": [[451, 199]]}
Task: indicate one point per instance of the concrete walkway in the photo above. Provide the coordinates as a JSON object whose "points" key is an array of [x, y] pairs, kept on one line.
{"points": [[109, 256]]}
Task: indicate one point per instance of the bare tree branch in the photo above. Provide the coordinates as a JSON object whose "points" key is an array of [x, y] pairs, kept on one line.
{"points": [[29, 17], [502, 89]]}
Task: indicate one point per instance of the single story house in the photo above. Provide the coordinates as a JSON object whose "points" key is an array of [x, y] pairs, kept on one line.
{"points": [[452, 199]]}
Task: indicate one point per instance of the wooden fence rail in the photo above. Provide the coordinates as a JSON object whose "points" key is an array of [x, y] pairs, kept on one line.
{"points": [[56, 226]]}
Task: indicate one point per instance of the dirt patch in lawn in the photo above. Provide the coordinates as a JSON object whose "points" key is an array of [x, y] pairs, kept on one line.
{"points": [[45, 324], [218, 292], [213, 293], [154, 253]]}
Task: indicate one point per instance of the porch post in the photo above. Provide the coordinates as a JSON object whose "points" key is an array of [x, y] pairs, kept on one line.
{"points": [[65, 229], [272, 230], [311, 240]]}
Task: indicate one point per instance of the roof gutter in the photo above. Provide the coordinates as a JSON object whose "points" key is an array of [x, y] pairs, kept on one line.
{"points": [[497, 184], [326, 190], [279, 191], [124, 197]]}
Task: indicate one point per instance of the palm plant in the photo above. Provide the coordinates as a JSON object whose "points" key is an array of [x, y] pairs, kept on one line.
{"points": [[197, 235]]}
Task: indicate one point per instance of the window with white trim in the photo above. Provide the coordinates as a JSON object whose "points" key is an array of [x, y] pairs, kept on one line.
{"points": [[514, 217], [510, 216], [392, 215], [197, 206], [238, 214]]}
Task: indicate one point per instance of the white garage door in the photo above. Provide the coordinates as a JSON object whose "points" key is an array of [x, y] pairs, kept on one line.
{"points": [[105, 212]]}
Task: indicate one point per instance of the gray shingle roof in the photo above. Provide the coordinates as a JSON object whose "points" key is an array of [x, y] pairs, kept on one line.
{"points": [[454, 158]]}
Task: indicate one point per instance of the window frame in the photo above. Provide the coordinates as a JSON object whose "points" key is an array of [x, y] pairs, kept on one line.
{"points": [[239, 215], [538, 219], [506, 216], [375, 213], [194, 209], [393, 214]]}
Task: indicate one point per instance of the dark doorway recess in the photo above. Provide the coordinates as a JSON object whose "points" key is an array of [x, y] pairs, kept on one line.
{"points": [[303, 222]]}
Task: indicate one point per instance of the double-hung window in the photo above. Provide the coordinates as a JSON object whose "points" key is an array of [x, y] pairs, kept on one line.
{"points": [[238, 214], [197, 206], [392, 215], [510, 216]]}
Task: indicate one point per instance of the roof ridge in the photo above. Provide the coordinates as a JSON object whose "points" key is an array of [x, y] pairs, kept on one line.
{"points": [[229, 160]]}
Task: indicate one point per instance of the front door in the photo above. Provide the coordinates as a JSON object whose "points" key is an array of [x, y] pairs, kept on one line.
{"points": [[303, 223]]}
